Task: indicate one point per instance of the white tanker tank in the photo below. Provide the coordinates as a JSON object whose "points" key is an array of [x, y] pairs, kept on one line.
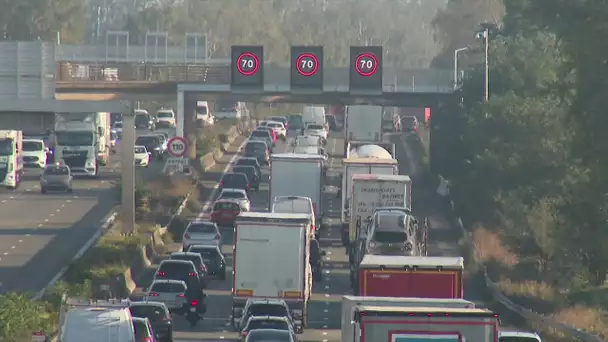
{"points": [[359, 149]]}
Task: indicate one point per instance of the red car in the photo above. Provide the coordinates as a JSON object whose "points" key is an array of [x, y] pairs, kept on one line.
{"points": [[225, 212], [272, 133]]}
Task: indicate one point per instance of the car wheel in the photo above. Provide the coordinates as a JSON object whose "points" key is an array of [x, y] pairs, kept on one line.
{"points": [[223, 274], [43, 190], [70, 190]]}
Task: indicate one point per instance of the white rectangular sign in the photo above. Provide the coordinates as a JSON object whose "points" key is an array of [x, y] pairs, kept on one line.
{"points": [[175, 164]]}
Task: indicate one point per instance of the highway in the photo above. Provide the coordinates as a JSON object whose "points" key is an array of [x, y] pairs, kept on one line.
{"points": [[41, 233], [324, 314]]}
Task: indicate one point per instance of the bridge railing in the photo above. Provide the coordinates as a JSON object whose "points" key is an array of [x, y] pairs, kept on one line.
{"points": [[415, 80]]}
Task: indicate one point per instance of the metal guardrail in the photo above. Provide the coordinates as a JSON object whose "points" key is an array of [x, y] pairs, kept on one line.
{"points": [[396, 79], [527, 314]]}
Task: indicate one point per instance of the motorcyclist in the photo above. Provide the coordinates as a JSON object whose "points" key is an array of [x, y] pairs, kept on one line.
{"points": [[315, 259], [194, 292]]}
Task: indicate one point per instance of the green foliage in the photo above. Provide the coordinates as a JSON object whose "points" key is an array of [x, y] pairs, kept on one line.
{"points": [[531, 162], [20, 316]]}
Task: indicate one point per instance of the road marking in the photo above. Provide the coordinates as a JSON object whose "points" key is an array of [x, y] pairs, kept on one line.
{"points": [[5, 253], [68, 201], [29, 234], [28, 190], [12, 197], [20, 241], [39, 226], [12, 247], [51, 215], [3, 201], [46, 220], [325, 332], [326, 311], [58, 210]]}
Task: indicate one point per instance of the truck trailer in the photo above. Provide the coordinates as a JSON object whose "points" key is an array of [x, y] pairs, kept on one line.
{"points": [[298, 174], [353, 166], [363, 123], [11, 158], [373, 323], [271, 260], [410, 276]]}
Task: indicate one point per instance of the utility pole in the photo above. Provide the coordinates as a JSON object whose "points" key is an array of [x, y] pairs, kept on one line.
{"points": [[456, 52], [486, 38]]}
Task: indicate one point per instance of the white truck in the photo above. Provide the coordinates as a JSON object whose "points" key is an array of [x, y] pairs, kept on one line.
{"points": [[363, 123], [271, 260], [313, 115], [353, 166], [362, 149], [372, 191], [350, 305], [11, 158], [82, 141], [407, 323], [298, 175]]}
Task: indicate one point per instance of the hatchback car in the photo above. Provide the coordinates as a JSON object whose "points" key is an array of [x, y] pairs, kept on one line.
{"points": [[159, 316], [263, 127], [409, 124], [265, 135], [249, 161], [274, 335], [213, 258], [165, 118], [144, 120], [143, 330], [170, 292], [281, 119], [258, 149], [252, 175], [266, 322], [183, 270], [237, 195], [316, 130], [201, 268], [224, 212], [233, 180], [517, 336], [56, 177], [278, 128], [267, 307], [142, 156], [201, 233], [153, 144]]}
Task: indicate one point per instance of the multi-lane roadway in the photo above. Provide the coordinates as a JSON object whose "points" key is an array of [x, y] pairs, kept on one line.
{"points": [[41, 233], [324, 313]]}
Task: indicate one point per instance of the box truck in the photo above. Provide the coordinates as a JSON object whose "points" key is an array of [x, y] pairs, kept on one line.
{"points": [[374, 323], [298, 174], [353, 166], [351, 303], [410, 276], [372, 191], [271, 260], [11, 158], [363, 123]]}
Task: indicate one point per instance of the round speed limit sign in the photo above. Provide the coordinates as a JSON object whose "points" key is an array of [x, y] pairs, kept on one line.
{"points": [[177, 147]]}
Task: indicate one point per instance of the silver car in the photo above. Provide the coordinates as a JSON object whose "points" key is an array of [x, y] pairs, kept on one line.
{"points": [[237, 195], [56, 177], [201, 233], [170, 292]]}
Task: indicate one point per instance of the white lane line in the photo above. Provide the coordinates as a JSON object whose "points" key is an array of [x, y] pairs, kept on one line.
{"points": [[325, 310], [325, 332], [58, 210], [12, 197], [5, 253], [30, 234], [3, 201], [20, 241], [46, 220], [51, 215], [12, 247], [39, 226]]}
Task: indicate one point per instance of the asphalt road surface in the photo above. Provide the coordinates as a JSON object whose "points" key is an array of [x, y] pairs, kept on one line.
{"points": [[41, 233]]}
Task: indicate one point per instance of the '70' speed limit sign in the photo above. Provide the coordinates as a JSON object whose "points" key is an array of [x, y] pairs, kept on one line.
{"points": [[177, 147]]}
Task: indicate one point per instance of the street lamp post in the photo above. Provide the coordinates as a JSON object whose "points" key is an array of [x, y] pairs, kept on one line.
{"points": [[484, 35], [456, 52]]}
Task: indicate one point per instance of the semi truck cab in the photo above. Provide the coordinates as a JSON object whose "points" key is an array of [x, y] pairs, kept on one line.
{"points": [[76, 146], [11, 158]]}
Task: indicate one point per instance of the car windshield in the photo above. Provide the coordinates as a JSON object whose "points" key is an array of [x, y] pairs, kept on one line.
{"points": [[315, 127], [175, 268], [118, 125], [235, 178], [408, 122], [267, 310], [194, 258], [74, 138], [142, 118], [255, 147], [56, 170], [146, 141], [390, 237], [279, 119], [268, 324], [244, 161], [275, 125], [33, 146], [201, 110], [226, 206], [164, 115], [248, 170], [168, 287], [260, 133], [201, 228], [232, 194], [151, 312], [269, 336], [140, 150], [225, 106]]}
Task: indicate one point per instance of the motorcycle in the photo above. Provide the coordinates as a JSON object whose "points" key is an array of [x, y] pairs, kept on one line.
{"points": [[193, 315]]}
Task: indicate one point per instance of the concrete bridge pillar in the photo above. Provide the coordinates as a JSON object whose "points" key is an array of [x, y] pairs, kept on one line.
{"points": [[190, 124]]}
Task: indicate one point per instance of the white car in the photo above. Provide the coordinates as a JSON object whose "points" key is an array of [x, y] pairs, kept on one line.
{"points": [[200, 232], [142, 156], [165, 118], [237, 195], [518, 336], [316, 130], [170, 292], [307, 140], [278, 128], [34, 153]]}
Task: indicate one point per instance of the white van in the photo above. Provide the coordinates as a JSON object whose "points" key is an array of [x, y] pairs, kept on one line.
{"points": [[34, 153], [313, 115], [230, 110], [204, 113], [295, 205], [95, 321]]}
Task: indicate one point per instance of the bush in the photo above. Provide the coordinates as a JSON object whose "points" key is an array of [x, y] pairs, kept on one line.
{"points": [[20, 316]]}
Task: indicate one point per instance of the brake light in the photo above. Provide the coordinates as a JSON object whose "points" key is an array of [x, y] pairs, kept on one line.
{"points": [[203, 268], [181, 295], [192, 274], [312, 227], [245, 333], [148, 339], [167, 319], [221, 182], [162, 274], [153, 294], [194, 303], [186, 236]]}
